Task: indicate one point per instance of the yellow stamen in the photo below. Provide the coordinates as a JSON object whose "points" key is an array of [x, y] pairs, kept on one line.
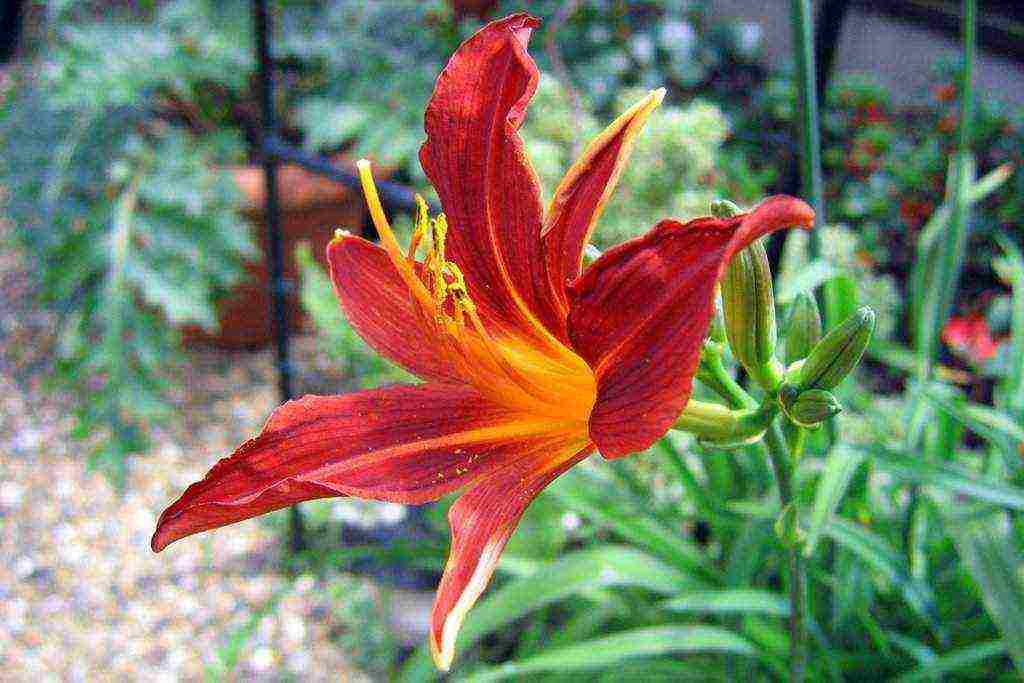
{"points": [[387, 236], [422, 225]]}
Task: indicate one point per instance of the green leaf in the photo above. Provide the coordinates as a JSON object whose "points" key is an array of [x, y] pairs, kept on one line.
{"points": [[949, 476], [936, 282], [955, 661], [591, 499], [730, 601], [992, 559], [876, 552], [839, 469], [612, 650], [581, 572], [1011, 269], [840, 298], [996, 427]]}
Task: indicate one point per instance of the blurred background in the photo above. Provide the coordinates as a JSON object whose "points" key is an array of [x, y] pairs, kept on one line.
{"points": [[138, 342]]}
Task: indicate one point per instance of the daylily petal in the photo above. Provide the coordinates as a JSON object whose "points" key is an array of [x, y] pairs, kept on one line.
{"points": [[406, 444], [482, 521], [580, 197], [640, 313], [476, 160], [378, 304]]}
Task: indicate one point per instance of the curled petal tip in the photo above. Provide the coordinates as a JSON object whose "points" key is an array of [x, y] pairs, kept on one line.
{"points": [[658, 95], [442, 660], [363, 164], [805, 215], [161, 539]]}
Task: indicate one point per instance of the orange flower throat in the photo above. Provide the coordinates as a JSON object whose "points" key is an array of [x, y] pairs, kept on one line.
{"points": [[539, 376]]}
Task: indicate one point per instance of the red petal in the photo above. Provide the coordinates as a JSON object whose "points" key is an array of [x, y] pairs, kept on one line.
{"points": [[482, 521], [475, 159], [379, 305], [582, 194], [407, 444], [640, 313]]}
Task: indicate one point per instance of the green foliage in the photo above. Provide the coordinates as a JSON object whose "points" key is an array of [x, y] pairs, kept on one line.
{"points": [[368, 97], [132, 231], [362, 365]]}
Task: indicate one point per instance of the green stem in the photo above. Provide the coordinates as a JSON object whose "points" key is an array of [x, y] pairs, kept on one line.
{"points": [[715, 422], [782, 465], [713, 373], [970, 40], [810, 136], [773, 447]]}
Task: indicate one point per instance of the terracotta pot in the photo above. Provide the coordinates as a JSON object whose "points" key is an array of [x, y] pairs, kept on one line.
{"points": [[312, 207]]}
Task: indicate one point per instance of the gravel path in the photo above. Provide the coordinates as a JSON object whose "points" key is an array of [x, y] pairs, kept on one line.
{"points": [[82, 597]]}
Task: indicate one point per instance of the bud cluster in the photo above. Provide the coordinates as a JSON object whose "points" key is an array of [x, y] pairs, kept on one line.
{"points": [[746, 320]]}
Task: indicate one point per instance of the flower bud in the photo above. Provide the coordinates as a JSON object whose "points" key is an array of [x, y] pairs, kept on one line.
{"points": [[716, 332], [749, 307], [832, 358], [804, 328], [808, 408], [723, 208]]}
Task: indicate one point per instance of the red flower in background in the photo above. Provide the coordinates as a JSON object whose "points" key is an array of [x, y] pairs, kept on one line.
{"points": [[530, 364], [970, 336]]}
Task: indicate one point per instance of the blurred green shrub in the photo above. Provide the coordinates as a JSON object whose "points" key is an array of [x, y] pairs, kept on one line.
{"points": [[119, 207], [678, 165]]}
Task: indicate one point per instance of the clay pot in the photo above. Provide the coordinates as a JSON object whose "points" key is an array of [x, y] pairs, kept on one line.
{"points": [[312, 207]]}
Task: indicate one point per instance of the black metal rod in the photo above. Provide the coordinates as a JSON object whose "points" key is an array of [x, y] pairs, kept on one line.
{"points": [[396, 196], [279, 287]]}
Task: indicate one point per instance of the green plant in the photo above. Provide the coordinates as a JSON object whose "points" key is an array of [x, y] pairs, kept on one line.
{"points": [[131, 230]]}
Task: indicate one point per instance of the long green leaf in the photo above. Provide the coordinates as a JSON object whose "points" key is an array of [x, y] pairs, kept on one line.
{"points": [[602, 653], [840, 467], [951, 477], [580, 493], [954, 661], [926, 252], [1011, 268], [996, 427], [995, 564], [876, 552], [730, 601], [581, 572]]}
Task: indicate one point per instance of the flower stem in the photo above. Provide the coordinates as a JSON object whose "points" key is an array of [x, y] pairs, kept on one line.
{"points": [[713, 373], [810, 136], [715, 422], [775, 447]]}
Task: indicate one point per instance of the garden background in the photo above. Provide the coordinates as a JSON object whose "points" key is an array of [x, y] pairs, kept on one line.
{"points": [[137, 293]]}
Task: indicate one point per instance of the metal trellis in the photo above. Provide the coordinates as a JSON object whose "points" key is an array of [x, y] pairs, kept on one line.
{"points": [[273, 151]]}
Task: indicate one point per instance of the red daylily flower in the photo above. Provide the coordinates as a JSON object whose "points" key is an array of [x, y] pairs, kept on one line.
{"points": [[970, 337], [530, 364]]}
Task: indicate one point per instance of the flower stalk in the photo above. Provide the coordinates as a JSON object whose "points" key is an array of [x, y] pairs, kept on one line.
{"points": [[782, 465], [722, 426]]}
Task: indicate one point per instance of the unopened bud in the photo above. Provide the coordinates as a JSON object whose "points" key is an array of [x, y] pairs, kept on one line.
{"points": [[723, 208], [832, 358], [749, 307], [804, 328], [808, 408], [716, 332]]}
